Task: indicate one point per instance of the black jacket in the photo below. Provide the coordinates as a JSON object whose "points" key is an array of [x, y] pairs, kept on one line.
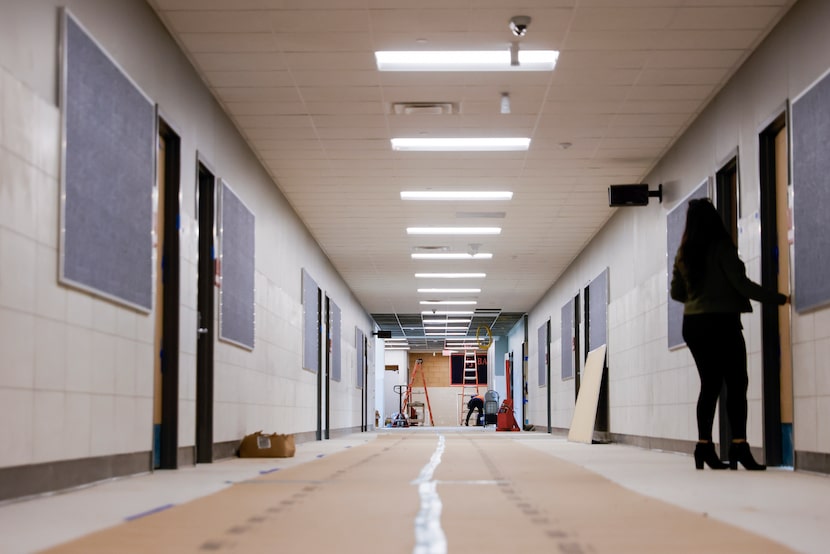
{"points": [[725, 287]]}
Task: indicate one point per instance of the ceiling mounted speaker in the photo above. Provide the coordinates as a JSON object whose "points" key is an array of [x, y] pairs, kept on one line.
{"points": [[632, 195]]}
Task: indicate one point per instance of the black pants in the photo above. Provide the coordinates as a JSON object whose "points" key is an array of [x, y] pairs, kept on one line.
{"points": [[717, 345], [475, 404]]}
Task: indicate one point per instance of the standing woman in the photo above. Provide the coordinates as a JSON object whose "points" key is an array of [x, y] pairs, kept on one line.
{"points": [[710, 279]]}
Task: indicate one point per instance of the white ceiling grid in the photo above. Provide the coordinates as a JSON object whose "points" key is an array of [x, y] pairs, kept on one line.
{"points": [[299, 80]]}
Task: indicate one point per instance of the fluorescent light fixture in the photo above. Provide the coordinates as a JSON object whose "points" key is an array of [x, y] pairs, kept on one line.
{"points": [[442, 321], [444, 312], [450, 275], [396, 340], [445, 334], [451, 291], [486, 144], [452, 195], [453, 230], [452, 256], [444, 328], [448, 302], [465, 60]]}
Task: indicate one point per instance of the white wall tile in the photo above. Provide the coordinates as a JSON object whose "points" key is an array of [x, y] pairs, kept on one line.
{"points": [[18, 210], [125, 323], [16, 410], [49, 437], [102, 364], [79, 308], [125, 420], [46, 138], [17, 266], [50, 297], [144, 370], [77, 425], [50, 355], [79, 359], [804, 369], [754, 422], [803, 327], [822, 424], [17, 345], [822, 369], [187, 422], [142, 426], [822, 323], [805, 424], [125, 366], [18, 105], [104, 318], [104, 431], [145, 328], [47, 198]]}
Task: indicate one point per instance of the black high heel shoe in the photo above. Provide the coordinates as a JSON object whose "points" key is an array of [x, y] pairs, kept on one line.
{"points": [[739, 452], [705, 452]]}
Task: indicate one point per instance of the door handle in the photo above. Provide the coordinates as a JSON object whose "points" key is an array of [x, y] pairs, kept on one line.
{"points": [[202, 330]]}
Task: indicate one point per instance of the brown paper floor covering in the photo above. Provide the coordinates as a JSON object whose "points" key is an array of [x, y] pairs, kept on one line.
{"points": [[498, 495]]}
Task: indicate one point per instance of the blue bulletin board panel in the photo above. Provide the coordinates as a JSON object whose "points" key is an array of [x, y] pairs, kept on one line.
{"points": [[360, 346], [567, 340], [598, 311], [236, 297], [108, 173], [810, 115], [334, 330], [675, 223], [311, 323], [542, 354]]}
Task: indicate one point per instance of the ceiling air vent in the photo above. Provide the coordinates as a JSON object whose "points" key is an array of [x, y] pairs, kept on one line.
{"points": [[480, 215], [429, 249], [424, 108]]}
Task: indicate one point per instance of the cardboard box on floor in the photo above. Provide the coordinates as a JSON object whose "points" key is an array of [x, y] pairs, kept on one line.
{"points": [[260, 445]]}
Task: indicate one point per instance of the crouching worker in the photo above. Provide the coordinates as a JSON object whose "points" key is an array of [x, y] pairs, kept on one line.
{"points": [[475, 403]]}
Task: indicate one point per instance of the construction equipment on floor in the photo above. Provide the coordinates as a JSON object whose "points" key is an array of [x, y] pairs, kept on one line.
{"points": [[506, 419], [399, 419], [491, 407], [411, 409]]}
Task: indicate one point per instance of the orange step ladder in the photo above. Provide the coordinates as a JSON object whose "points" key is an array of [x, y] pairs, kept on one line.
{"points": [[417, 371]]}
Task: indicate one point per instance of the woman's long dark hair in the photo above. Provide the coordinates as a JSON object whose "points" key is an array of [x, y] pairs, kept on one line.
{"points": [[704, 228]]}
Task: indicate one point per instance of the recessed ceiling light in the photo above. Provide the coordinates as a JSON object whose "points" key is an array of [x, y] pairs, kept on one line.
{"points": [[445, 328], [456, 195], [448, 302], [446, 312], [484, 144], [433, 321], [450, 275], [465, 60], [428, 291], [445, 334], [453, 230], [453, 256]]}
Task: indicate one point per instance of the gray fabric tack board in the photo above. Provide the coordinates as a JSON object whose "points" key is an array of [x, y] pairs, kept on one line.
{"points": [[109, 131]]}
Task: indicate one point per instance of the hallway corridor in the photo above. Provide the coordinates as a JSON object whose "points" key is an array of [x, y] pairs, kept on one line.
{"points": [[435, 490]]}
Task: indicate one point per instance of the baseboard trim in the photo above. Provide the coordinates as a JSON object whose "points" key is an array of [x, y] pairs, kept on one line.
{"points": [[816, 462], [30, 480]]}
